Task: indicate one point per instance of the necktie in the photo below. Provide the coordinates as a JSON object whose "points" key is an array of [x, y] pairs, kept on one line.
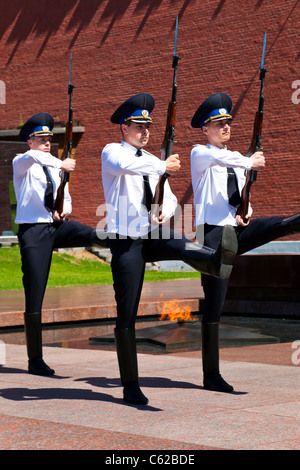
{"points": [[49, 191], [148, 196], [232, 189]]}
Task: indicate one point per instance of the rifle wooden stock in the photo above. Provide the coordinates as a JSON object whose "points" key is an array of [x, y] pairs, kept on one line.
{"points": [[67, 152], [167, 144], [166, 147], [251, 175], [166, 150], [255, 142], [159, 195]]}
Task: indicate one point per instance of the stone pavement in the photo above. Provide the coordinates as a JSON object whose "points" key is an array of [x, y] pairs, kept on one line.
{"points": [[81, 407]]}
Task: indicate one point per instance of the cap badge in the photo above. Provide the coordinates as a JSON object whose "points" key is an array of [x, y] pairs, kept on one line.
{"points": [[45, 129], [145, 113], [222, 111]]}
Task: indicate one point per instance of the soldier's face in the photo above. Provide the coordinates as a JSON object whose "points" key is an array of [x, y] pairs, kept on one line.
{"points": [[42, 143], [218, 132], [136, 134]]}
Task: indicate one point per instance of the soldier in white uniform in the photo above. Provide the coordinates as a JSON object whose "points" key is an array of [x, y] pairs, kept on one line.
{"points": [[130, 175], [218, 176], [36, 175]]}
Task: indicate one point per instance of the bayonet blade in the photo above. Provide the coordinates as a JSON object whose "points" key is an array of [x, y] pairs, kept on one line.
{"points": [[175, 43], [263, 53], [70, 69]]}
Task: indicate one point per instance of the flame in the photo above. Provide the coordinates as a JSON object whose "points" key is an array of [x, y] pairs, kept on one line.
{"points": [[176, 312]]}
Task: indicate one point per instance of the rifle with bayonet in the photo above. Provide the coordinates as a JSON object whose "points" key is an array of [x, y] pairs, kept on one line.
{"points": [[67, 150], [255, 146], [167, 144]]}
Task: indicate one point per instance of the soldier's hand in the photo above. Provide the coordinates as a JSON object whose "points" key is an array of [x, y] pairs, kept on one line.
{"points": [[258, 161], [68, 165], [58, 217], [157, 221], [173, 164]]}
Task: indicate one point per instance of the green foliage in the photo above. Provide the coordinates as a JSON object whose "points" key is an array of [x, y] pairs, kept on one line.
{"points": [[69, 270], [10, 268]]}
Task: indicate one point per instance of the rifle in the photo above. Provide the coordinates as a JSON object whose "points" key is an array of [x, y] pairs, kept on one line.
{"points": [[255, 146], [167, 144], [67, 151]]}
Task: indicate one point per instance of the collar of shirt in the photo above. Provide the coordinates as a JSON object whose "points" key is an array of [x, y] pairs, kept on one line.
{"points": [[130, 147], [210, 146]]}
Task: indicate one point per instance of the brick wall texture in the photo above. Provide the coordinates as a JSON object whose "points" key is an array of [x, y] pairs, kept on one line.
{"points": [[125, 47]]}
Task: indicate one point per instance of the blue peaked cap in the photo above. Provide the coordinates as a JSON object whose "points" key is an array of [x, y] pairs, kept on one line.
{"points": [[39, 124], [214, 108], [136, 109]]}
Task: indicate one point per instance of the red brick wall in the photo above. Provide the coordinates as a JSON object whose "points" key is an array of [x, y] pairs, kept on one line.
{"points": [[125, 47]]}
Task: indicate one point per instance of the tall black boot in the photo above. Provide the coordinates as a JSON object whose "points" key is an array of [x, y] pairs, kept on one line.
{"points": [[33, 332], [217, 263], [127, 358], [212, 379]]}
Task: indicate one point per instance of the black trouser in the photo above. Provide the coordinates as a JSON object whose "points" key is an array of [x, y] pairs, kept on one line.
{"points": [[256, 233], [129, 257], [37, 242]]}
